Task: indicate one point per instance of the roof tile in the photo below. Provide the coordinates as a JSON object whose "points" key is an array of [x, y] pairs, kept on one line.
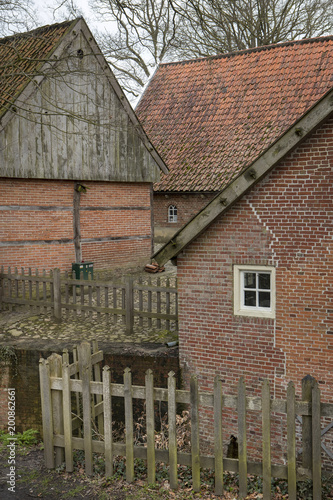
{"points": [[210, 118]]}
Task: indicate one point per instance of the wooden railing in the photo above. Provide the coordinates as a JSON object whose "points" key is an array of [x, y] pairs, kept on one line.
{"points": [[59, 379], [153, 301]]}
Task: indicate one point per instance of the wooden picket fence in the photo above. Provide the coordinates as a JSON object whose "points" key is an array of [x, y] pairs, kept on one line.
{"points": [[151, 301], [93, 390]]}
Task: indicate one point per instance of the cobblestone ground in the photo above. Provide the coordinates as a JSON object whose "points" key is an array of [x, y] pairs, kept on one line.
{"points": [[24, 327]]}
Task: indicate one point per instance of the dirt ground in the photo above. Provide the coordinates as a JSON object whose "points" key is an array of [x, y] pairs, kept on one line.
{"points": [[33, 480]]}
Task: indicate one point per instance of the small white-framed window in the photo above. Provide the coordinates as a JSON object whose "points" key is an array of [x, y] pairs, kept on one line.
{"points": [[254, 291], [172, 213]]}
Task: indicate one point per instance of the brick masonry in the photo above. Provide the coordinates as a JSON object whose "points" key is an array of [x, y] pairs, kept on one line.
{"points": [[284, 221], [36, 223], [188, 205]]}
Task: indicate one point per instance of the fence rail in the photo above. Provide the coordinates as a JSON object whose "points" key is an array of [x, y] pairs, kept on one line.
{"points": [[144, 302], [94, 408]]}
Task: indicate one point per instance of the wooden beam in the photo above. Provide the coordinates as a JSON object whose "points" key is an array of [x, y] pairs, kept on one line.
{"points": [[292, 138]]}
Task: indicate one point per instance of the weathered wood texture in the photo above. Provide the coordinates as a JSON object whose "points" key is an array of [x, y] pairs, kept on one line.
{"points": [[134, 303], [89, 387], [76, 123]]}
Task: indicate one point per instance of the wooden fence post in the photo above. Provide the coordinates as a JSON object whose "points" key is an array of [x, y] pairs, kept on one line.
{"points": [[107, 406], [172, 430], [56, 295], [129, 425], [218, 438], [57, 409], [195, 448], [307, 385], [266, 439], [47, 418], [242, 448], [84, 352], [291, 441], [149, 384], [129, 304], [316, 442]]}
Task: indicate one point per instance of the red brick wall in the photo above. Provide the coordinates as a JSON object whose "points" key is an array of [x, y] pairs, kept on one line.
{"points": [[188, 205], [36, 223], [285, 221]]}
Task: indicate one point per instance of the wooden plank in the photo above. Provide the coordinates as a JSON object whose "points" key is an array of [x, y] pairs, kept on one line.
{"points": [[316, 442], [195, 448], [218, 438], [172, 409], [242, 449], [47, 416], [291, 441], [98, 378], [129, 425], [140, 301], [167, 304], [149, 305], [77, 394], [55, 364], [150, 423], [66, 401], [307, 384], [158, 303], [129, 305], [85, 375], [266, 439], [57, 295], [108, 452]]}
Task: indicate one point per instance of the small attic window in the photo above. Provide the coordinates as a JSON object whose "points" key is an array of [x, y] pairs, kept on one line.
{"points": [[80, 53], [172, 213]]}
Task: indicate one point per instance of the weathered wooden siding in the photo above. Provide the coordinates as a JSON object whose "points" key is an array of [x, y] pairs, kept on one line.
{"points": [[74, 126]]}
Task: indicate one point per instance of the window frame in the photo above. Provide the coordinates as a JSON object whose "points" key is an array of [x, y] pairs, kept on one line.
{"points": [[255, 311], [172, 218]]}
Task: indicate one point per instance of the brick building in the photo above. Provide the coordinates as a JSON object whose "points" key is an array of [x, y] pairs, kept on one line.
{"points": [[76, 167], [255, 270], [209, 118]]}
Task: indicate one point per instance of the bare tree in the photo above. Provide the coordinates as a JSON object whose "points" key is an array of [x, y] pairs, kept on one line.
{"points": [[228, 25], [147, 32], [15, 15]]}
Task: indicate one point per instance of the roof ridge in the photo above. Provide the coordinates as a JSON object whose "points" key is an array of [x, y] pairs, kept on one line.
{"points": [[254, 49], [40, 30]]}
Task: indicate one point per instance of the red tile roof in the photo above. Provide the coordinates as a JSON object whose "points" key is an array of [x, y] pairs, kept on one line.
{"points": [[210, 118], [22, 56]]}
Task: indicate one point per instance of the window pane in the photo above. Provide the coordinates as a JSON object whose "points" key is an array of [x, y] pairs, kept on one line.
{"points": [[249, 280], [264, 299], [264, 281], [250, 299]]}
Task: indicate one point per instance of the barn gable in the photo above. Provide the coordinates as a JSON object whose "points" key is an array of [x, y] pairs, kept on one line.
{"points": [[64, 115]]}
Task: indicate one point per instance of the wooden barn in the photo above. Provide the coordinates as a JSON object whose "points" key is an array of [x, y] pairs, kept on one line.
{"points": [[76, 167], [255, 265], [210, 118]]}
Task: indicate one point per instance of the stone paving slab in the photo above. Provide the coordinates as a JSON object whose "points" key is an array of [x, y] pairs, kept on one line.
{"points": [[26, 329]]}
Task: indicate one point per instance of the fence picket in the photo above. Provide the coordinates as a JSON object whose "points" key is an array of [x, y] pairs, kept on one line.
{"points": [[242, 450], [84, 353], [52, 384], [57, 406], [150, 424], [47, 417], [172, 410], [218, 438], [266, 439], [195, 449], [107, 406], [316, 442], [129, 425], [66, 401], [98, 397], [291, 441]]}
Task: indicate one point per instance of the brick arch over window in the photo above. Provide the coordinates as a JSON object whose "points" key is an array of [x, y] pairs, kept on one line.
{"points": [[172, 213]]}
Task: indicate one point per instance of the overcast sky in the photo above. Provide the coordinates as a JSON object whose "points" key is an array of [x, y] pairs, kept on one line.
{"points": [[46, 14]]}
